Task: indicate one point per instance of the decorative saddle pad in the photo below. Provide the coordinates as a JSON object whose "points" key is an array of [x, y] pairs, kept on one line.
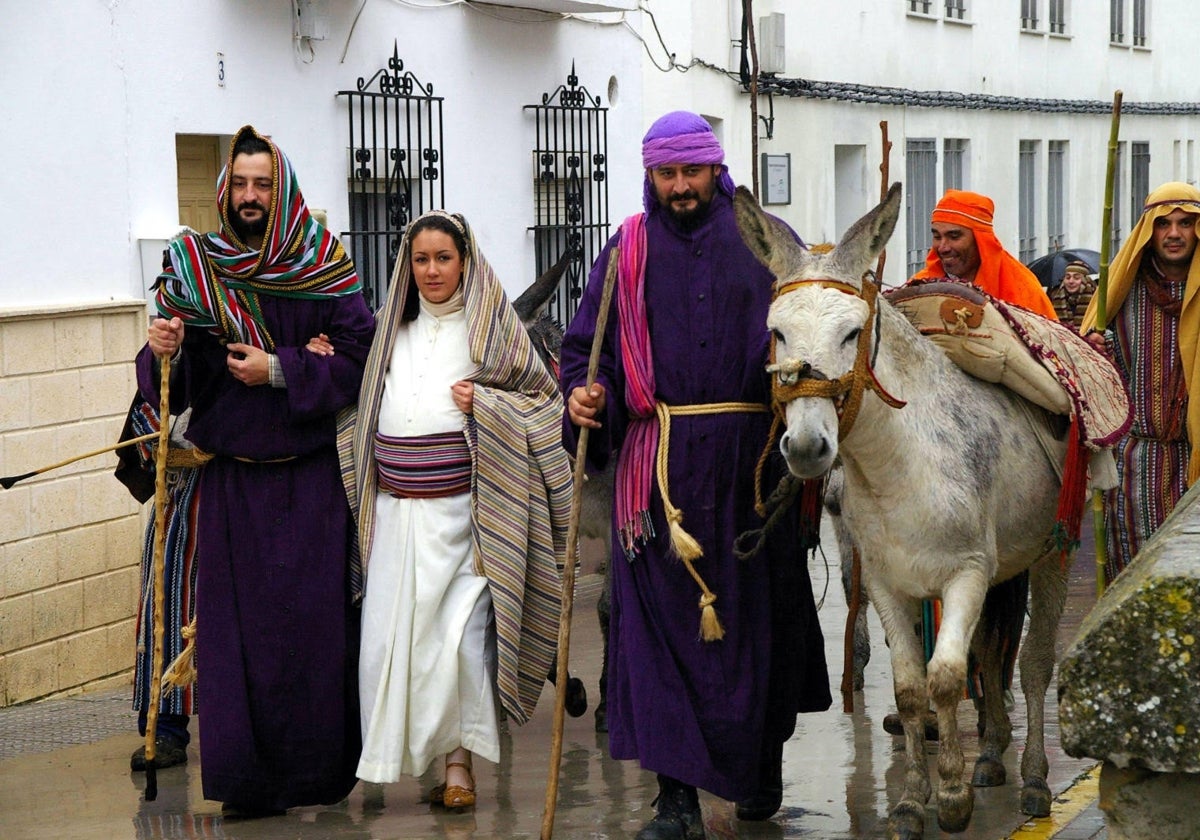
{"points": [[1040, 359]]}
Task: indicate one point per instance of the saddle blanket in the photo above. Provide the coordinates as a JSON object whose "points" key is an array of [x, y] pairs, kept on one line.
{"points": [[1042, 360]]}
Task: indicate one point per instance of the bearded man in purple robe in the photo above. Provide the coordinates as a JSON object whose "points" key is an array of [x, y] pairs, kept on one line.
{"points": [[277, 636], [682, 378]]}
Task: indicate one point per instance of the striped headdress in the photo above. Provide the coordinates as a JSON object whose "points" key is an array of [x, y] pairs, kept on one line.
{"points": [[214, 279], [521, 484]]}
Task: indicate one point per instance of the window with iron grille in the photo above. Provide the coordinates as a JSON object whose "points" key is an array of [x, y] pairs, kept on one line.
{"points": [[570, 177], [1056, 181], [920, 174], [956, 9], [1029, 17], [1139, 23], [1116, 21], [921, 7], [954, 164], [394, 160], [1057, 14], [1027, 200], [1139, 180]]}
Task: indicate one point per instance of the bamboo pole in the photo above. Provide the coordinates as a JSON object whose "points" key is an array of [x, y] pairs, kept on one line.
{"points": [[568, 584], [1102, 318], [9, 481], [748, 19], [159, 562]]}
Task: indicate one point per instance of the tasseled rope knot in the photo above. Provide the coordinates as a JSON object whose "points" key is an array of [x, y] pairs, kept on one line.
{"points": [[182, 671], [684, 544]]}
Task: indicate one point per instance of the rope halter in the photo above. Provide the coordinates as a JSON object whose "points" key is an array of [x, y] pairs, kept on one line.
{"points": [[794, 378]]}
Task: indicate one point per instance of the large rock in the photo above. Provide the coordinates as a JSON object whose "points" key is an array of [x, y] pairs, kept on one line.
{"points": [[1129, 685]]}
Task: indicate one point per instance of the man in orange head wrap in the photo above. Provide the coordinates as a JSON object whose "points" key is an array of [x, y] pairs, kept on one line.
{"points": [[965, 248], [1154, 322]]}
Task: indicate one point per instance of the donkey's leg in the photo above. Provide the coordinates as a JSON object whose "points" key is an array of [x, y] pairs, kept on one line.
{"points": [[999, 631], [962, 600], [1048, 593], [906, 821]]}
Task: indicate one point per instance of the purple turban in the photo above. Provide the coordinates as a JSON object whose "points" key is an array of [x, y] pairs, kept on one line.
{"points": [[681, 137]]}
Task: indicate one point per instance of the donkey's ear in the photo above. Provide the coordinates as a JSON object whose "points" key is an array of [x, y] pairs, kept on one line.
{"points": [[865, 239], [769, 241]]}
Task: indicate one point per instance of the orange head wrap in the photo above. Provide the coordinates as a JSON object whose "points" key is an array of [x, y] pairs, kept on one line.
{"points": [[1000, 274]]}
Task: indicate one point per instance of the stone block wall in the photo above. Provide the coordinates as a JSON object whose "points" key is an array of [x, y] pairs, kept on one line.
{"points": [[70, 539]]}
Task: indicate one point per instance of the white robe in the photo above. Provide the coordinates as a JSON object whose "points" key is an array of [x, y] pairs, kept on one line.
{"points": [[427, 666]]}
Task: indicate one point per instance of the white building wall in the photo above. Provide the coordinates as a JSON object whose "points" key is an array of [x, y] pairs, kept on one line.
{"points": [[94, 96], [879, 43]]}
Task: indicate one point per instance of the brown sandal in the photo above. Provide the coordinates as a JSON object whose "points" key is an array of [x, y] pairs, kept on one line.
{"points": [[456, 796]]}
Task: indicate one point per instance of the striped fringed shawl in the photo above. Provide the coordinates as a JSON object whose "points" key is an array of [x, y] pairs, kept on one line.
{"points": [[521, 487], [214, 279]]}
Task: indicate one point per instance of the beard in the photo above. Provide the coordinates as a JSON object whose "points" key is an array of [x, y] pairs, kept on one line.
{"points": [[245, 229], [688, 219]]}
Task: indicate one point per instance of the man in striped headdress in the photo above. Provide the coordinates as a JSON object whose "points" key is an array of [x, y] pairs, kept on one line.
{"points": [[1153, 330], [687, 335], [277, 635]]}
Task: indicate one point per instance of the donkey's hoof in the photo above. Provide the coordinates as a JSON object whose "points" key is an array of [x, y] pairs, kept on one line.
{"points": [[906, 822], [989, 772], [1036, 798], [955, 806]]}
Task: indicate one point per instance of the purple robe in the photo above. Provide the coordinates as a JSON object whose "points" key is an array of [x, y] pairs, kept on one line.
{"points": [[277, 636], [698, 711]]}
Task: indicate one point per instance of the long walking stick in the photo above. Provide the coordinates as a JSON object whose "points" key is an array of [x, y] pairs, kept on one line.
{"points": [[1102, 319], [568, 584], [9, 481], [160, 550]]}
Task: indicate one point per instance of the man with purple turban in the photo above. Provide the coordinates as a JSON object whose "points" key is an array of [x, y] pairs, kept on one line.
{"points": [[704, 697]]}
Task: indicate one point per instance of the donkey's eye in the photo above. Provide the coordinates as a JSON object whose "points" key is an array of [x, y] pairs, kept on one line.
{"points": [[852, 336], [778, 336]]}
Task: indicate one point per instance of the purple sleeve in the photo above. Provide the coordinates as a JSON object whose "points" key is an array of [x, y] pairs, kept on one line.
{"points": [[576, 349], [322, 385]]}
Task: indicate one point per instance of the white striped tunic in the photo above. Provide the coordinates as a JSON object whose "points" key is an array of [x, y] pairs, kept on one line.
{"points": [[427, 667]]}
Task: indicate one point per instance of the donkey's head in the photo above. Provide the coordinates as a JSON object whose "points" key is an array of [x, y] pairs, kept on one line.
{"points": [[819, 323]]}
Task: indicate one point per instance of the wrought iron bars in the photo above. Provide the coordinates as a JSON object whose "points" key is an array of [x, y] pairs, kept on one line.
{"points": [[570, 187], [395, 164]]}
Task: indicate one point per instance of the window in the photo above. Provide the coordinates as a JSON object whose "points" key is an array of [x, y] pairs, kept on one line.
{"points": [[1056, 179], [1139, 180], [1116, 21], [920, 181], [1139, 23], [1026, 200], [1057, 12], [1029, 18], [921, 7], [956, 9], [954, 154]]}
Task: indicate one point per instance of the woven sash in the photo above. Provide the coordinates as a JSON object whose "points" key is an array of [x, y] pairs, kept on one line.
{"points": [[425, 467]]}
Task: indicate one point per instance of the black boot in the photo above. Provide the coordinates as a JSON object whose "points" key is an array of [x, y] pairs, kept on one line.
{"points": [[678, 814], [765, 802]]}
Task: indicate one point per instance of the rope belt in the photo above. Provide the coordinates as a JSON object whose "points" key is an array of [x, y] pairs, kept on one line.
{"points": [[283, 460], [683, 543]]}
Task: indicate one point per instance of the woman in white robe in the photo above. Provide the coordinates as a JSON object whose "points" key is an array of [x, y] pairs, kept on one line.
{"points": [[454, 404]]}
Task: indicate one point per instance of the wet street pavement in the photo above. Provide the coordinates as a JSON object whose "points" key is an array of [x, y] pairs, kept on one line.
{"points": [[64, 767]]}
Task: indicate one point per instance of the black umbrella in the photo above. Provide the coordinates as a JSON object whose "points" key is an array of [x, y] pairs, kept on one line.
{"points": [[1050, 268]]}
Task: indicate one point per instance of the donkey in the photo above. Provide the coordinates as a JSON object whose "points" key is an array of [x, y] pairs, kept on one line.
{"points": [[946, 491]]}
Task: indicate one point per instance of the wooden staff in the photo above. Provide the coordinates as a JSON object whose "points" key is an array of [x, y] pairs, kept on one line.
{"points": [[568, 584], [1102, 318], [9, 481], [159, 560]]}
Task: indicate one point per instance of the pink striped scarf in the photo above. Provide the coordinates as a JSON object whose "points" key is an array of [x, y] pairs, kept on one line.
{"points": [[635, 466]]}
